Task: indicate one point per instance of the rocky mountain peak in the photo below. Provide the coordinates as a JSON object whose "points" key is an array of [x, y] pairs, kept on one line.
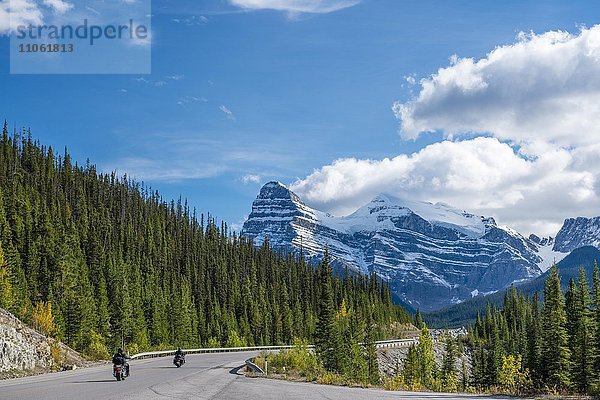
{"points": [[432, 254], [578, 232]]}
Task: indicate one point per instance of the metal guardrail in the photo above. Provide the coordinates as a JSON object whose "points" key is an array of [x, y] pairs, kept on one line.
{"points": [[255, 368], [381, 344], [149, 354]]}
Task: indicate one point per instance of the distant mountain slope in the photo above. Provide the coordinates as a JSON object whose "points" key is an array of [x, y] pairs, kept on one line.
{"points": [[578, 232], [432, 254], [464, 313]]}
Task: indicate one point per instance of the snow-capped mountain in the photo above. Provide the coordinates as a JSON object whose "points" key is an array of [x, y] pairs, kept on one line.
{"points": [[431, 254], [578, 232]]}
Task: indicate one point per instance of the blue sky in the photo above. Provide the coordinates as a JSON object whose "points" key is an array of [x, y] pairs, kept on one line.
{"points": [[238, 97]]}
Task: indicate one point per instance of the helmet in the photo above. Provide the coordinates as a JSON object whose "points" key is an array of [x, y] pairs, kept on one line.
{"points": [[120, 350], [179, 349]]}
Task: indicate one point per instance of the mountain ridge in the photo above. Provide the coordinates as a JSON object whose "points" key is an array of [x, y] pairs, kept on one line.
{"points": [[432, 254], [464, 313]]}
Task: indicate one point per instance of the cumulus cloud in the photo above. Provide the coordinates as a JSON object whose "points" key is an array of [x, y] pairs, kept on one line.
{"points": [[481, 175], [19, 12], [522, 128], [58, 6], [14, 13], [251, 178], [542, 88], [296, 6]]}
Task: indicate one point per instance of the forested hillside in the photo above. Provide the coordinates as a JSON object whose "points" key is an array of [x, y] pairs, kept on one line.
{"points": [[93, 258], [553, 347], [464, 313]]}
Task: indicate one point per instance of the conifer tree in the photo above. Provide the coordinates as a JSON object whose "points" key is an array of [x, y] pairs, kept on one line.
{"points": [[596, 321], [555, 353], [427, 367], [326, 333], [418, 320], [534, 328], [410, 370], [582, 353], [371, 349], [571, 312], [448, 371]]}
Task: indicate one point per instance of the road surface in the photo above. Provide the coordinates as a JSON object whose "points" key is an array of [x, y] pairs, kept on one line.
{"points": [[204, 376]]}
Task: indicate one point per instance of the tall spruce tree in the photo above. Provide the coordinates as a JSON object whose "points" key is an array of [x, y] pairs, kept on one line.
{"points": [[326, 334], [371, 348], [427, 366], [596, 321], [555, 353], [448, 370], [582, 353]]}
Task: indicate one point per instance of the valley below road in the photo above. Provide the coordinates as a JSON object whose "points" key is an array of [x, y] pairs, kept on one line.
{"points": [[204, 376]]}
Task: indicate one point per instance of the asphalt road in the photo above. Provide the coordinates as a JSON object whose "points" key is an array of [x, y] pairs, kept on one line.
{"points": [[204, 376]]}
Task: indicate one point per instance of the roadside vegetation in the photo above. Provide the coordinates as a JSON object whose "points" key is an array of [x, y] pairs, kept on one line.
{"points": [[528, 347]]}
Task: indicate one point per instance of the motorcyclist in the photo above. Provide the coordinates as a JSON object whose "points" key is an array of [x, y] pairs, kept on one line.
{"points": [[180, 353], [120, 358]]}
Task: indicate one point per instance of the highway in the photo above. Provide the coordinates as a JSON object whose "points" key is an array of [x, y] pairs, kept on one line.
{"points": [[204, 376]]}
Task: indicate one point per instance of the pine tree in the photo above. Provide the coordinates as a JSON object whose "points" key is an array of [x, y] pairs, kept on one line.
{"points": [[448, 372], [596, 321], [571, 312], [464, 375], [582, 354], [371, 349], [410, 370], [418, 320], [534, 328], [325, 334], [555, 353], [427, 367]]}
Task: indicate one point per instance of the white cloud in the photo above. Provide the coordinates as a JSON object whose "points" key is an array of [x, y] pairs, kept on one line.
{"points": [[251, 178], [541, 88], [480, 175], [185, 100], [14, 13], [191, 21], [175, 77], [296, 6], [58, 6], [227, 112], [524, 130]]}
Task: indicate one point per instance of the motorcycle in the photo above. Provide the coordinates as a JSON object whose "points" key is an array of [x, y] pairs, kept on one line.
{"points": [[120, 372], [179, 360]]}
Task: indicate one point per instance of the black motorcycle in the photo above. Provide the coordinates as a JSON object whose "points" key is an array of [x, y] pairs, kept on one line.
{"points": [[120, 371], [179, 360]]}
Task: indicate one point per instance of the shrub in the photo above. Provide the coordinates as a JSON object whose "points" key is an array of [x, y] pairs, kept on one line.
{"points": [[42, 318], [511, 378]]}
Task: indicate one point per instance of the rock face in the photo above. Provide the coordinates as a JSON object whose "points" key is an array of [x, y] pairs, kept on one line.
{"points": [[578, 232], [20, 347], [432, 255], [24, 349]]}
